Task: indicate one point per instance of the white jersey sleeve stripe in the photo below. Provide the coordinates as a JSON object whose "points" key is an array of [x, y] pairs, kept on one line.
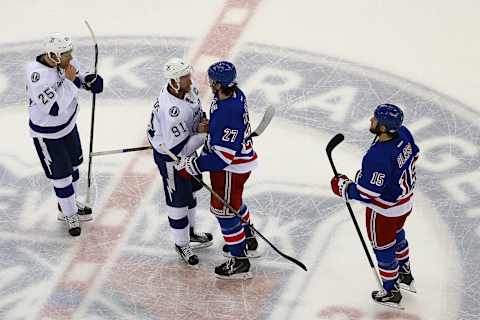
{"points": [[224, 150], [367, 192]]}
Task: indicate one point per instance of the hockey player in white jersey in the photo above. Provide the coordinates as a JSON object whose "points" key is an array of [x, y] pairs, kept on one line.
{"points": [[178, 123], [53, 80]]}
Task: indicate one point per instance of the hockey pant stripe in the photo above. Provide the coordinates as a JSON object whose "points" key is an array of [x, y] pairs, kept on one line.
{"points": [[384, 232], [373, 231], [228, 188]]}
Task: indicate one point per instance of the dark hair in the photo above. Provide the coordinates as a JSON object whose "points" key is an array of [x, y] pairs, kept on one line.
{"points": [[228, 91]]}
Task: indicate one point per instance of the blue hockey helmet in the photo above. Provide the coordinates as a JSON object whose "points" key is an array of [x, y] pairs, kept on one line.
{"points": [[223, 72], [390, 116]]}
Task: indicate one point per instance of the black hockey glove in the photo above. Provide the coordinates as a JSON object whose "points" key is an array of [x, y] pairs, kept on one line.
{"points": [[94, 83]]}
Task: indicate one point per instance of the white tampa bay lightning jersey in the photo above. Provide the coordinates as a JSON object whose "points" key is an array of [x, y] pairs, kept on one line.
{"points": [[52, 98], [174, 123]]}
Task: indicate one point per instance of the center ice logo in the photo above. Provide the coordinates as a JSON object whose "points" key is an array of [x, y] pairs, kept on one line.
{"points": [[315, 97]]}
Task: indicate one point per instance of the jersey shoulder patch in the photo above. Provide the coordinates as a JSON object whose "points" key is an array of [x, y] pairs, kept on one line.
{"points": [[174, 111], [35, 76]]}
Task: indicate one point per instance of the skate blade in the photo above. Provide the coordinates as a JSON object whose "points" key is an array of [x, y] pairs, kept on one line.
{"points": [[185, 262], [410, 287], [250, 254], [200, 245], [393, 305], [239, 276], [88, 217]]}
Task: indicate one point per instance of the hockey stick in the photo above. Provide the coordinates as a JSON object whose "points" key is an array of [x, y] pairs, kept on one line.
{"points": [[92, 121], [216, 195], [335, 141], [104, 153], [266, 119]]}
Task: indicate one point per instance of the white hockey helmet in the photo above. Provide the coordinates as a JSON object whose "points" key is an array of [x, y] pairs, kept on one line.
{"points": [[175, 68], [57, 43]]}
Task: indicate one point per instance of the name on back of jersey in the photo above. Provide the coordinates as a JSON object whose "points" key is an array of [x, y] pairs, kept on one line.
{"points": [[405, 155]]}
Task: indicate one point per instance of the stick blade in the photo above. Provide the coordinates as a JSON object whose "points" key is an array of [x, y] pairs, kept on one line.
{"points": [[336, 140], [267, 117]]}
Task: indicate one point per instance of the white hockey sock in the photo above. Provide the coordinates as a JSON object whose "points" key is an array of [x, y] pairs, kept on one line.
{"points": [[65, 195], [191, 216], [179, 224]]}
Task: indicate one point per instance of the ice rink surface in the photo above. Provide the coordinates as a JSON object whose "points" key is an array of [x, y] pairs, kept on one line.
{"points": [[324, 66]]}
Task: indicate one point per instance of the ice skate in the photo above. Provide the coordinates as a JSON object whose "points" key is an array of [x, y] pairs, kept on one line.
{"points": [[200, 239], [234, 268], [390, 298], [406, 279], [187, 255], [84, 212], [73, 225]]}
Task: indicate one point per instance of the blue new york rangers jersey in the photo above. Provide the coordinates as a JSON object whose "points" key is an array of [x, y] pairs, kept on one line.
{"points": [[228, 146], [387, 178]]}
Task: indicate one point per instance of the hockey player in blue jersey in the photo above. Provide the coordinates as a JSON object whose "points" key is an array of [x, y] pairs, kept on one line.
{"points": [[229, 157], [385, 186], [53, 80]]}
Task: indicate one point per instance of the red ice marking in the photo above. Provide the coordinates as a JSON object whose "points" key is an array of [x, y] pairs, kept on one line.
{"points": [[220, 41], [395, 315], [350, 312], [101, 241], [353, 313]]}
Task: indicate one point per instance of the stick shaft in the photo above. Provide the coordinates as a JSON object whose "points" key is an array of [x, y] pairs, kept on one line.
{"points": [[103, 153], [330, 148], [92, 119], [216, 195]]}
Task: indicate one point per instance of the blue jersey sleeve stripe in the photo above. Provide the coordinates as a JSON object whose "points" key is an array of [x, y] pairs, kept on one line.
{"points": [[175, 150], [210, 162], [179, 147]]}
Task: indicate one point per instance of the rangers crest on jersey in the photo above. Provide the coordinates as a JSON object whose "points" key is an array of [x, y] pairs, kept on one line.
{"points": [[174, 111]]}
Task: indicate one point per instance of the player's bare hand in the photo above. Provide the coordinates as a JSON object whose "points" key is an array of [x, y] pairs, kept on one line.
{"points": [[70, 72], [203, 126]]}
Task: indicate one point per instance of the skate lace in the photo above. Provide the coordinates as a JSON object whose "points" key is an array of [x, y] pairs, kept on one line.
{"points": [[187, 251], [72, 221], [229, 265], [381, 293], [405, 269]]}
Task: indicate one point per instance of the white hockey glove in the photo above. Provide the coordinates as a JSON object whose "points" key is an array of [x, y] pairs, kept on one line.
{"points": [[187, 167]]}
